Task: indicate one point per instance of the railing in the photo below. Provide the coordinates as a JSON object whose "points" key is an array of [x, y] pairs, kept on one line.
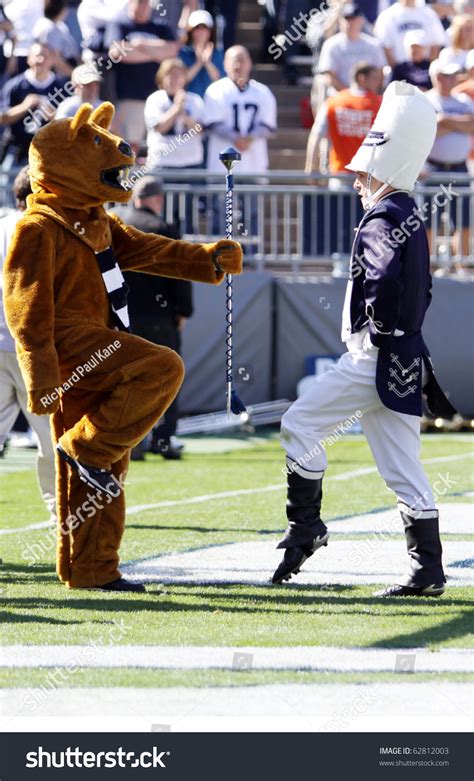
{"points": [[285, 221]]}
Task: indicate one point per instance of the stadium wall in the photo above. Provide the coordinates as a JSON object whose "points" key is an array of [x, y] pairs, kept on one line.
{"points": [[279, 322]]}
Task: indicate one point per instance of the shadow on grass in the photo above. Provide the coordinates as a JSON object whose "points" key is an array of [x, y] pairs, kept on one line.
{"points": [[340, 601], [457, 627], [21, 618], [199, 529], [21, 574]]}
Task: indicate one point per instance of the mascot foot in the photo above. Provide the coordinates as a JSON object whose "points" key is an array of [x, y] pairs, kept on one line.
{"points": [[120, 584], [294, 559], [434, 590], [100, 479]]}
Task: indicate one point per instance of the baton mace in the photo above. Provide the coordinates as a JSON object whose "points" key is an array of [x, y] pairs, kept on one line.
{"points": [[229, 157]]}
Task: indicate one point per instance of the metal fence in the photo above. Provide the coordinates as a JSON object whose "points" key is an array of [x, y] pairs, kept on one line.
{"points": [[285, 221]]}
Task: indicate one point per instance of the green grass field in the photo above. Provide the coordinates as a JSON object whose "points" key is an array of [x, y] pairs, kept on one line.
{"points": [[38, 610]]}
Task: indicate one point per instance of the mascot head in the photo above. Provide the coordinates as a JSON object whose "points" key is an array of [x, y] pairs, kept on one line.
{"points": [[80, 160]]}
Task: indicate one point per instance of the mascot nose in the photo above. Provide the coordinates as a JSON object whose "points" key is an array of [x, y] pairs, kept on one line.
{"points": [[125, 149]]}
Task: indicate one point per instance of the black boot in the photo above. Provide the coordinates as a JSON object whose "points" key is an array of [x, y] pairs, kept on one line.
{"points": [[306, 532], [121, 584], [426, 578]]}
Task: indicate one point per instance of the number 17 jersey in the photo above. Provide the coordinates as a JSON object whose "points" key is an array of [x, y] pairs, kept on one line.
{"points": [[232, 112]]}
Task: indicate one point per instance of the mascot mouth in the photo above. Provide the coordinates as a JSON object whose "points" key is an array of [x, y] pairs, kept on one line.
{"points": [[115, 177]]}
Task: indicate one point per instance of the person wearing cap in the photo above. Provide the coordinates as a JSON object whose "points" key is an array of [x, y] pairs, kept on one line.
{"points": [[341, 52], [455, 118], [204, 61], [379, 381], [415, 68], [404, 15], [87, 81], [158, 306]]}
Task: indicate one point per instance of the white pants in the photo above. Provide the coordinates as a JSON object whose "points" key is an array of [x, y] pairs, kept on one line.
{"points": [[13, 398], [347, 394]]}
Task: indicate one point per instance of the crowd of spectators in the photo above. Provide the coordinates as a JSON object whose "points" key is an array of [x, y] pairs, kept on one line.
{"points": [[357, 52], [177, 69], [155, 60]]}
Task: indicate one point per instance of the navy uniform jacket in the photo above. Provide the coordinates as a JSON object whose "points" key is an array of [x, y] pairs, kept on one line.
{"points": [[391, 291]]}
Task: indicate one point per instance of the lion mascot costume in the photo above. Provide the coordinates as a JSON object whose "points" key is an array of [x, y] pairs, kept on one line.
{"points": [[66, 307]]}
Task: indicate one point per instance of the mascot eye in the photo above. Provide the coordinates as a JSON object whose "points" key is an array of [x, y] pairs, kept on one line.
{"points": [[97, 140]]}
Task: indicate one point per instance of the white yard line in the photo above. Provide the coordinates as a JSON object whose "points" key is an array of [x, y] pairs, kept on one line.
{"points": [[398, 706], [331, 659], [365, 560], [138, 508]]}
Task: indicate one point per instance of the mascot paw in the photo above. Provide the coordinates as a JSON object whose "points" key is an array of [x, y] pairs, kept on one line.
{"points": [[228, 257], [44, 401]]}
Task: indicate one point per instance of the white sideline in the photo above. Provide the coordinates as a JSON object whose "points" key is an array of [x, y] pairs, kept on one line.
{"points": [[331, 659], [138, 508], [400, 706]]}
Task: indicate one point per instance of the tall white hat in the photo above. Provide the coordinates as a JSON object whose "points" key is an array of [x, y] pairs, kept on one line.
{"points": [[400, 139]]}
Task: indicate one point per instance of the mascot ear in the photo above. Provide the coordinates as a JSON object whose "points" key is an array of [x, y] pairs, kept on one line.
{"points": [[81, 118], [103, 115]]}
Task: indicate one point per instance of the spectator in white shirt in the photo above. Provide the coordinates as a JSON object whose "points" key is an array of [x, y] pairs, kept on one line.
{"points": [[396, 20], [240, 111], [94, 16], [341, 52], [174, 120], [170, 113], [451, 148], [52, 31], [23, 14]]}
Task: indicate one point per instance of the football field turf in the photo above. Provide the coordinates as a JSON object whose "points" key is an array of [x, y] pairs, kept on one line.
{"points": [[203, 532]]}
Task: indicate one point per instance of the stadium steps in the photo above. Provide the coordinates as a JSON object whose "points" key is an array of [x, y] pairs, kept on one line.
{"points": [[287, 151], [249, 34], [293, 137], [286, 159], [249, 27]]}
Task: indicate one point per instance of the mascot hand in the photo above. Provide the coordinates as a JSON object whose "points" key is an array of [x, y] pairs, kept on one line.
{"points": [[227, 257], [44, 401]]}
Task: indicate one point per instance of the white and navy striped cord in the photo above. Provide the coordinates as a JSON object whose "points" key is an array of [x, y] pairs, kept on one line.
{"points": [[116, 287]]}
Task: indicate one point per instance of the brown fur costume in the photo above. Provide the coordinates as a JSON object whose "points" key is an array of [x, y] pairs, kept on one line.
{"points": [[59, 313]]}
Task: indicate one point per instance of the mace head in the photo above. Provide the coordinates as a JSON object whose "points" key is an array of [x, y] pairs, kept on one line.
{"points": [[229, 157]]}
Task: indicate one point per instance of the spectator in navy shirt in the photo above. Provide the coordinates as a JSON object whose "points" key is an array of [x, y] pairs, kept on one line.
{"points": [[39, 80], [415, 69], [137, 41]]}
